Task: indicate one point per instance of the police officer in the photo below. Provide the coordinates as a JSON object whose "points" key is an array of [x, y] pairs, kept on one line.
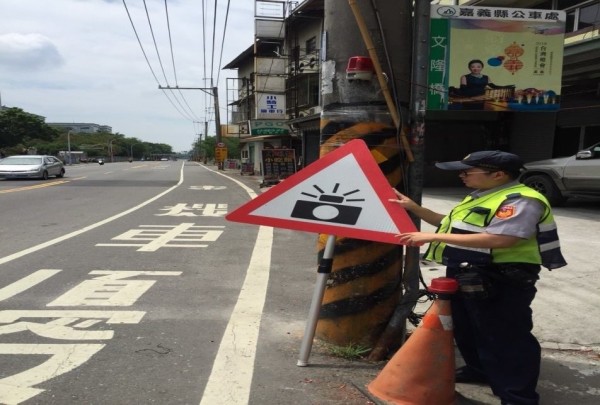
{"points": [[493, 243]]}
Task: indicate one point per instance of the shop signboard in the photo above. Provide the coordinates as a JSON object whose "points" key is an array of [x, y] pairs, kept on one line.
{"points": [[495, 59], [269, 127], [278, 163], [270, 106]]}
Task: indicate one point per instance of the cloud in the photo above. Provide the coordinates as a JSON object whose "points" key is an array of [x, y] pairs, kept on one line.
{"points": [[28, 51], [80, 61]]}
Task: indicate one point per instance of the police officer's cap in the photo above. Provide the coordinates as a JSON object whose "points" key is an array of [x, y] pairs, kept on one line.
{"points": [[486, 159]]}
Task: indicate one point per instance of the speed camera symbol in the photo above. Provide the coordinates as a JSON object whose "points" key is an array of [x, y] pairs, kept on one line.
{"points": [[328, 207]]}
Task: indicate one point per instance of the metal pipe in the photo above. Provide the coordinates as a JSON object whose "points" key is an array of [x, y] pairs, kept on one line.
{"points": [[364, 31]]}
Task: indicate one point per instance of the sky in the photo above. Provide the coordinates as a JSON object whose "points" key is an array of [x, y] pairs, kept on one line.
{"points": [[80, 61]]}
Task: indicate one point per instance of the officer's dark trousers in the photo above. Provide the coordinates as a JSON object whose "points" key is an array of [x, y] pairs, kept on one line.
{"points": [[494, 337]]}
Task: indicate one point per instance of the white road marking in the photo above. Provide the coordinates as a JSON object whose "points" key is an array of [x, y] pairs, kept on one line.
{"points": [[44, 245], [231, 376], [207, 187], [18, 388], [26, 282], [108, 290], [160, 236]]}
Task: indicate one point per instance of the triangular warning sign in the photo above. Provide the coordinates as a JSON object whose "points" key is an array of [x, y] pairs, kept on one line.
{"points": [[343, 193]]}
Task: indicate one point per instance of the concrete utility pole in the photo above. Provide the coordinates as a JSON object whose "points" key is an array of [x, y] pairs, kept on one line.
{"points": [[396, 326], [217, 115], [365, 283], [214, 91], [69, 146]]}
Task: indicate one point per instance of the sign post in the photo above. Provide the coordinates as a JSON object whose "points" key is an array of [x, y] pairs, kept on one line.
{"points": [[343, 193], [315, 305]]}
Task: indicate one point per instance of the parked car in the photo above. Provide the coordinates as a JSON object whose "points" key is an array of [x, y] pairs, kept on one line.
{"points": [[561, 178], [31, 166]]}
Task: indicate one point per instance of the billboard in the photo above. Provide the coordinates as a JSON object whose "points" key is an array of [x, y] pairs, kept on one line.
{"points": [[495, 59]]}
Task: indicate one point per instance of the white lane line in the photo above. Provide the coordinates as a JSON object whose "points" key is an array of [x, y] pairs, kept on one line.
{"points": [[231, 375], [44, 245], [26, 282]]}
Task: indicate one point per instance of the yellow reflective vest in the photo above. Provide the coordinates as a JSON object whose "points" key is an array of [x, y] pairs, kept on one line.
{"points": [[474, 215]]}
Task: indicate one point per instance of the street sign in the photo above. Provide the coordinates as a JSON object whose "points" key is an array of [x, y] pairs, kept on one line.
{"points": [[344, 193], [220, 154]]}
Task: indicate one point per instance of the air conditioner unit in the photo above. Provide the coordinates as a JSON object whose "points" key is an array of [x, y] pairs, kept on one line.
{"points": [[314, 110], [308, 65], [310, 111]]}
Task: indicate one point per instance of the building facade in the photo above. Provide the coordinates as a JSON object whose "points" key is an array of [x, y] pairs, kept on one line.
{"points": [[81, 127], [285, 62], [274, 102]]}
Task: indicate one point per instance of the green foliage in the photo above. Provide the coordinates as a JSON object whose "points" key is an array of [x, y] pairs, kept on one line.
{"points": [[18, 127], [21, 131], [349, 352], [206, 147]]}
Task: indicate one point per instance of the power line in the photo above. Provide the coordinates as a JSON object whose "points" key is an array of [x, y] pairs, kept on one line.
{"points": [[191, 115], [223, 41], [155, 46], [194, 116], [212, 58], [140, 42], [183, 113], [180, 102]]}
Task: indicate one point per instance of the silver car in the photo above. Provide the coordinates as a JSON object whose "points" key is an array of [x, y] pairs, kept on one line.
{"points": [[31, 166], [561, 178]]}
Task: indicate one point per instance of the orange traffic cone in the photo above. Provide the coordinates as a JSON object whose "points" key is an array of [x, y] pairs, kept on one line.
{"points": [[422, 371]]}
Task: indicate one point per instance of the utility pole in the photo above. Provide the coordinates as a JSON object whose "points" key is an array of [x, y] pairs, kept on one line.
{"points": [[205, 136], [214, 91], [365, 284], [217, 115], [396, 327], [69, 146], [110, 150]]}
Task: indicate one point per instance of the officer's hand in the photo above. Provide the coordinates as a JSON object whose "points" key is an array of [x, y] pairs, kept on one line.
{"points": [[404, 201]]}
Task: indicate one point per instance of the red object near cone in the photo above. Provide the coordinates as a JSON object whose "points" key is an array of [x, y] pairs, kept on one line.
{"points": [[422, 371]]}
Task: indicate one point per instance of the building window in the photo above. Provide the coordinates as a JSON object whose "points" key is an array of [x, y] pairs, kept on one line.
{"points": [[562, 4], [588, 16], [311, 45], [582, 16]]}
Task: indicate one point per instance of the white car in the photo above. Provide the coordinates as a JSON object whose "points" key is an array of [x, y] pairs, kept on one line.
{"points": [[31, 166], [561, 178]]}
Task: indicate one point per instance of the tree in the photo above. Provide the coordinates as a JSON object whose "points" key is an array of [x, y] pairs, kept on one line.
{"points": [[159, 148], [19, 127], [207, 146]]}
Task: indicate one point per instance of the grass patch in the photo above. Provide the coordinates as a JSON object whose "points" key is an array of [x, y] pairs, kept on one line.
{"points": [[349, 352]]}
